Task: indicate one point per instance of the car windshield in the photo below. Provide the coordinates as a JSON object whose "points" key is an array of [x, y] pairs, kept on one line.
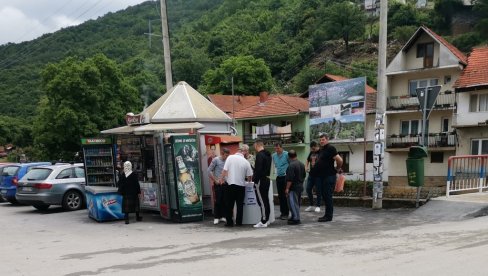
{"points": [[38, 174], [10, 171]]}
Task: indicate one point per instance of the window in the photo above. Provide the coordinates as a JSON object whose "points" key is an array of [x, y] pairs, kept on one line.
{"points": [[412, 127], [345, 160], [445, 125], [436, 157], [79, 172], [414, 84], [426, 51], [369, 156], [478, 103], [64, 174], [479, 146]]}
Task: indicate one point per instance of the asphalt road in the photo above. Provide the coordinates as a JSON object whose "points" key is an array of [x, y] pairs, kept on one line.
{"points": [[439, 238]]}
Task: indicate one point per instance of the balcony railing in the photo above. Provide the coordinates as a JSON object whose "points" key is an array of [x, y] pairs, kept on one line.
{"points": [[434, 140], [271, 139], [445, 99]]}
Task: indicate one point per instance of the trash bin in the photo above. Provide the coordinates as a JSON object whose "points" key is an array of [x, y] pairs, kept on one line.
{"points": [[415, 166]]}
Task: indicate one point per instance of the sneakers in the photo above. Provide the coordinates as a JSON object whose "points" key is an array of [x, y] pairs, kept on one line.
{"points": [[223, 220], [260, 225], [317, 209], [309, 209], [216, 221], [283, 217]]}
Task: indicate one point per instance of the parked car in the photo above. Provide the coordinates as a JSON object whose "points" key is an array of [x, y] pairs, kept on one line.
{"points": [[1, 171], [11, 175], [61, 185]]}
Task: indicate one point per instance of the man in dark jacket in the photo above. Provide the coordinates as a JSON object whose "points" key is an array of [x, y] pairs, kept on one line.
{"points": [[295, 174], [261, 181]]}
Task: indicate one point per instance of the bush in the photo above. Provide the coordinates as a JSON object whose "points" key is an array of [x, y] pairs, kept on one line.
{"points": [[467, 41], [403, 33]]}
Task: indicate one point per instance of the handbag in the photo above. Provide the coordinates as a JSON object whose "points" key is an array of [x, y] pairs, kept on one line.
{"points": [[339, 186]]}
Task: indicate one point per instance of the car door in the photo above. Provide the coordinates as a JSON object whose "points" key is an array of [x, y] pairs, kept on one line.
{"points": [[79, 174]]}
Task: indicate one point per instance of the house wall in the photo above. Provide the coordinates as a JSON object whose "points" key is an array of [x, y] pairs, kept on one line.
{"points": [[412, 62], [465, 118], [356, 161], [466, 135], [398, 84], [397, 165], [435, 120]]}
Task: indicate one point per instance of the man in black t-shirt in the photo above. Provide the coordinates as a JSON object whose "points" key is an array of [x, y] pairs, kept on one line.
{"points": [[313, 179], [327, 172]]}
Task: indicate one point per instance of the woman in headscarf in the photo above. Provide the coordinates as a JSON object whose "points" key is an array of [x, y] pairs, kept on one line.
{"points": [[130, 190]]}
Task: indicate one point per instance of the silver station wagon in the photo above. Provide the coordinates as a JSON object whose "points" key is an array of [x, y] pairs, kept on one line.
{"points": [[61, 185]]}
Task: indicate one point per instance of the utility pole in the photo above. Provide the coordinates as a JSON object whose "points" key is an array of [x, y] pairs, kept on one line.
{"points": [[167, 53], [379, 144]]}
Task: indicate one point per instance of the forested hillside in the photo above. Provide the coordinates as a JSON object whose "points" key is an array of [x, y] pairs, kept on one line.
{"points": [[297, 40]]}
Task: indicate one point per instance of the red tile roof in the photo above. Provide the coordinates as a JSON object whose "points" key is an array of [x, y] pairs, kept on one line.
{"points": [[275, 105], [224, 102], [455, 51], [476, 73]]}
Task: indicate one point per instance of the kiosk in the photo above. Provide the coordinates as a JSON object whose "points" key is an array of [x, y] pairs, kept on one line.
{"points": [[177, 121]]}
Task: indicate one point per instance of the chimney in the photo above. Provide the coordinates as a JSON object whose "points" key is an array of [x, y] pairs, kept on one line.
{"points": [[263, 97]]}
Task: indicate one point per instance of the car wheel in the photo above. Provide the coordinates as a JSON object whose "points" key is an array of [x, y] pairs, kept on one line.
{"points": [[72, 201], [41, 207]]}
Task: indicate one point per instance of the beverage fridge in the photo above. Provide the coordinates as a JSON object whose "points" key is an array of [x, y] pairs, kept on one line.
{"points": [[102, 200], [183, 179]]}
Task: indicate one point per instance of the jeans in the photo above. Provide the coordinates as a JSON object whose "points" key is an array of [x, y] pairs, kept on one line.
{"points": [[293, 200], [281, 185], [317, 182], [328, 186]]}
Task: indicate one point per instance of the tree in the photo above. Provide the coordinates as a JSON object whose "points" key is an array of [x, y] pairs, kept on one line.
{"points": [[481, 7], [445, 10], [81, 99], [345, 20], [251, 76]]}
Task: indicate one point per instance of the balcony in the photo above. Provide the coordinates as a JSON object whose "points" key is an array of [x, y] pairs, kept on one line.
{"points": [[435, 140], [444, 100], [271, 139]]}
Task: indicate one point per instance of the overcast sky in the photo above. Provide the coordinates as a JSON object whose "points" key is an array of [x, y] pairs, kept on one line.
{"points": [[23, 20]]}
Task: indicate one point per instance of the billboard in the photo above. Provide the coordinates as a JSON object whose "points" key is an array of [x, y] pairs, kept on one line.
{"points": [[338, 109]]}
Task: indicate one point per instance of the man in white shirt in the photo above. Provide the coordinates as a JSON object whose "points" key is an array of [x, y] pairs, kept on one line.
{"points": [[236, 170]]}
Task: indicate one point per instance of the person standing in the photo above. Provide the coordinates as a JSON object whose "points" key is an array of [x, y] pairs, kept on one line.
{"points": [[313, 179], [249, 157], [130, 190], [327, 172], [214, 172], [295, 174], [280, 159], [261, 181], [236, 170]]}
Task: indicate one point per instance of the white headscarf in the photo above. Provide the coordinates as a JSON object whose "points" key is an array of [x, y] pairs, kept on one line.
{"points": [[127, 168]]}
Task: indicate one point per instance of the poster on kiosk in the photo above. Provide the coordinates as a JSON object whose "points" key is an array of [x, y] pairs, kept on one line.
{"points": [[183, 178]]}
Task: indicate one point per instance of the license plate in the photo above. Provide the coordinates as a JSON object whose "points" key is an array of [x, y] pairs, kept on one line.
{"points": [[27, 189]]}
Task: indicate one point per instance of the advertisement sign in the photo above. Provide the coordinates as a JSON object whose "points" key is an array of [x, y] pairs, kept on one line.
{"points": [[186, 164], [104, 206], [338, 109]]}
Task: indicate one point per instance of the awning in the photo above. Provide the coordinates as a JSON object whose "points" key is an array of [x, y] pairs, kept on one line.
{"points": [[163, 127], [120, 130]]}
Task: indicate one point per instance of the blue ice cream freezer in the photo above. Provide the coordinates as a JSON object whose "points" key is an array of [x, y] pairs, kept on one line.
{"points": [[103, 203]]}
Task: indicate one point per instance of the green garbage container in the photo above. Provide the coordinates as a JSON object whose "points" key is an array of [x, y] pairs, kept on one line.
{"points": [[415, 166]]}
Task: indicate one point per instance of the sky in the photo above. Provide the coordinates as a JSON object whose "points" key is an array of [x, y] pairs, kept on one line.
{"points": [[24, 20]]}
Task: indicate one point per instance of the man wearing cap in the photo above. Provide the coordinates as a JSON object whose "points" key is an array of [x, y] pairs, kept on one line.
{"points": [[327, 172]]}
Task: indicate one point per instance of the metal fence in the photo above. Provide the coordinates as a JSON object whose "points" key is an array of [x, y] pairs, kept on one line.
{"points": [[467, 173]]}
